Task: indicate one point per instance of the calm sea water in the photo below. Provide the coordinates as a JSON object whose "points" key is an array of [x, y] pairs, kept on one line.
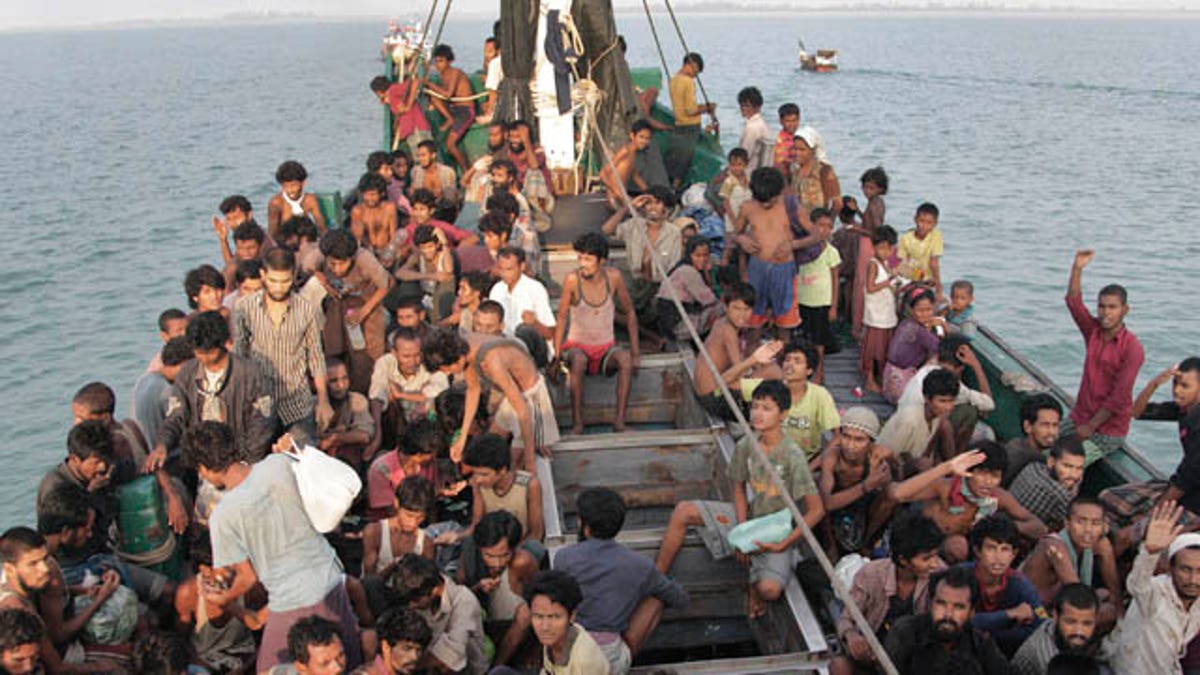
{"points": [[1034, 135]]}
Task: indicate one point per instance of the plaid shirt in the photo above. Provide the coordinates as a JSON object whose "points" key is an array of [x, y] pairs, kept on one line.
{"points": [[1037, 490], [288, 355]]}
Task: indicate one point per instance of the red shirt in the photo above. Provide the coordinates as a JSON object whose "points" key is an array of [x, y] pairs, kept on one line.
{"points": [[1109, 371], [454, 234]]}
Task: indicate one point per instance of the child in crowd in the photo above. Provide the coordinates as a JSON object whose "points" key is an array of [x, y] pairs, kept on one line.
{"points": [[921, 248], [736, 350], [874, 187], [879, 308], [960, 313], [408, 120], [432, 266], [818, 291], [764, 232], [292, 201], [373, 220], [735, 189], [388, 539], [498, 487], [771, 565], [789, 122]]}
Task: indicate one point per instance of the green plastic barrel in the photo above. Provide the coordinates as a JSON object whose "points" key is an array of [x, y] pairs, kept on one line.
{"points": [[142, 522]]}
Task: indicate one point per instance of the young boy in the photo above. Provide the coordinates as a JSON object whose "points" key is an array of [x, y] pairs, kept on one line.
{"points": [[1008, 606], [459, 115], [473, 288], [736, 351], [498, 487], [424, 204], [812, 413], [375, 218], [591, 297], [567, 649], [388, 539], [621, 176], [408, 120], [730, 189], [205, 289], [292, 201], [432, 266], [414, 454], [755, 132], [771, 565], [962, 491], [921, 247], [789, 122], [960, 313], [818, 291]]}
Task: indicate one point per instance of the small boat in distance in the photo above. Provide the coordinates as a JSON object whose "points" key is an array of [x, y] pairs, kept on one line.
{"points": [[824, 61]]}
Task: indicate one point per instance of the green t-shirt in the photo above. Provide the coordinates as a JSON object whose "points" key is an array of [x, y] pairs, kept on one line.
{"points": [[787, 459], [808, 418], [816, 283]]}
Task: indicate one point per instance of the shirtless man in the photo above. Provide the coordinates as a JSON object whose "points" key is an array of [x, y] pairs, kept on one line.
{"points": [[432, 175], [526, 411], [459, 115], [622, 174], [765, 232], [1079, 553], [292, 201], [373, 219], [590, 298], [962, 491], [735, 351], [855, 475]]}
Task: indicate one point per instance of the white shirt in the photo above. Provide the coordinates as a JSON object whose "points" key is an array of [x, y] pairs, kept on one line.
{"points": [[907, 432], [1156, 629], [914, 396], [387, 372], [495, 73], [756, 140], [527, 295]]}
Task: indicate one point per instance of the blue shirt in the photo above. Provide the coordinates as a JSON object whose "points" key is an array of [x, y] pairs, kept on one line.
{"points": [[614, 580], [1008, 634]]}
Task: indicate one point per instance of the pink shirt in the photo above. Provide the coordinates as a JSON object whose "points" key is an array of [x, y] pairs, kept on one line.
{"points": [[1109, 371], [454, 234], [385, 475]]}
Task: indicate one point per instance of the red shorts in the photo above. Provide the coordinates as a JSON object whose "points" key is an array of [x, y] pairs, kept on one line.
{"points": [[597, 355], [788, 320]]}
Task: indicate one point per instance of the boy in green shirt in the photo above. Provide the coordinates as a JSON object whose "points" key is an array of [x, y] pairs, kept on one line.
{"points": [[813, 411], [771, 564]]}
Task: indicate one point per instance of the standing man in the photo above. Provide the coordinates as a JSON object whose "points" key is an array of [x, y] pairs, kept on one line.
{"points": [[261, 530], [1114, 355], [282, 332], [756, 135], [687, 118]]}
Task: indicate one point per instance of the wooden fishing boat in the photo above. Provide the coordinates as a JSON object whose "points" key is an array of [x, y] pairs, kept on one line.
{"points": [[823, 61]]}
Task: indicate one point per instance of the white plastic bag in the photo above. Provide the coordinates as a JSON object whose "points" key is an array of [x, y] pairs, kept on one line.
{"points": [[327, 486]]}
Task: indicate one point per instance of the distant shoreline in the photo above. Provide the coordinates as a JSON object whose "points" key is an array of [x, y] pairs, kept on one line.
{"points": [[935, 10]]}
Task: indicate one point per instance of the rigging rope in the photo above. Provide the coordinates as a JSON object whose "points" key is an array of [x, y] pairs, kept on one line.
{"points": [[686, 50], [860, 622], [657, 42]]}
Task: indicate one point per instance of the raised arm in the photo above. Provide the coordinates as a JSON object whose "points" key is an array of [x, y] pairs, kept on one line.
{"points": [[924, 485]]}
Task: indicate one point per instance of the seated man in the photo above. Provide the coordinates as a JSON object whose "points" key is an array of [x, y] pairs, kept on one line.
{"points": [[1080, 552], [813, 412], [623, 593], [890, 589], [1047, 487], [621, 176], [526, 302], [316, 648], [771, 565], [424, 207], [249, 243], [374, 220], [219, 632], [1074, 630], [497, 568], [567, 648], [497, 487], [960, 492], [736, 352], [1164, 614], [21, 638], [532, 175], [489, 320], [429, 271], [955, 354], [1040, 418], [502, 179], [415, 453], [494, 229], [403, 638], [430, 174], [944, 640], [352, 428], [401, 389], [453, 101], [855, 475], [388, 539], [473, 289], [451, 610], [1008, 606], [521, 232], [922, 435], [591, 297]]}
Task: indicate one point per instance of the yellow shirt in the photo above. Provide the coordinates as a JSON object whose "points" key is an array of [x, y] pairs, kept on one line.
{"points": [[584, 657], [920, 251], [683, 100]]}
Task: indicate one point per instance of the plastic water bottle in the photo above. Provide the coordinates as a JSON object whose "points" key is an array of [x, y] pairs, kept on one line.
{"points": [[355, 332]]}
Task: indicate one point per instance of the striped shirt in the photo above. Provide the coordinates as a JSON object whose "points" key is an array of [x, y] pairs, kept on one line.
{"points": [[288, 355]]}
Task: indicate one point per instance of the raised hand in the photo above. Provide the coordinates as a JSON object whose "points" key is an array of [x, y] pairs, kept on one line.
{"points": [[1163, 528], [1083, 257], [767, 352], [962, 464]]}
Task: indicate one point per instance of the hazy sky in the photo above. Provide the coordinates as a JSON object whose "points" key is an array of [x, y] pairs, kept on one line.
{"points": [[29, 13]]}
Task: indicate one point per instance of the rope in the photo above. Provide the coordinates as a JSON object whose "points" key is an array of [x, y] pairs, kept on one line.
{"points": [[818, 551], [686, 50], [456, 99], [657, 42]]}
